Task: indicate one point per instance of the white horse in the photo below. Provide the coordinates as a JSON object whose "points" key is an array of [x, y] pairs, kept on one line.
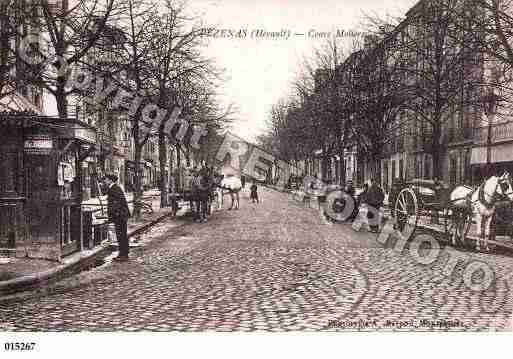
{"points": [[233, 185], [481, 201]]}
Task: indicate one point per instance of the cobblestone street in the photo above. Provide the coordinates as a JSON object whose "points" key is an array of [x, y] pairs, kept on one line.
{"points": [[269, 266]]}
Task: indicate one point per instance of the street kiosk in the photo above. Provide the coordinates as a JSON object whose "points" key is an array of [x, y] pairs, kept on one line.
{"points": [[42, 184]]}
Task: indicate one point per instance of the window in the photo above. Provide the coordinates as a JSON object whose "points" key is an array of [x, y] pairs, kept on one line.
{"points": [[8, 171], [453, 166]]}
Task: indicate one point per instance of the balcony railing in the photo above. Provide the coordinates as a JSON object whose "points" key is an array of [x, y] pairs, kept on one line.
{"points": [[500, 132]]}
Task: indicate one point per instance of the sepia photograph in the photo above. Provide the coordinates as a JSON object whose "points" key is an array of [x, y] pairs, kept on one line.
{"points": [[278, 167]]}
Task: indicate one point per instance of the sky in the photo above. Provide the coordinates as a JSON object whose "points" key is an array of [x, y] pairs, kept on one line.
{"points": [[260, 70]]}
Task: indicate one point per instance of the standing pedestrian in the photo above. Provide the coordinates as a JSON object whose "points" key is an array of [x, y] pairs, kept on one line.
{"points": [[374, 199], [118, 212], [254, 193], [362, 210], [350, 190], [243, 181]]}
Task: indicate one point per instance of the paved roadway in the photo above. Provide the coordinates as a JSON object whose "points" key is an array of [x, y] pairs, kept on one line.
{"points": [[269, 266]]}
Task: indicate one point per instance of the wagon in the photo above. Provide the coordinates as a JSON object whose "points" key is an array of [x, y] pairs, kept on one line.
{"points": [[424, 202], [181, 195]]}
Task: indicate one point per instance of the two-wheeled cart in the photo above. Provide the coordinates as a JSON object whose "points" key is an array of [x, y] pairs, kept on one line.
{"points": [[426, 203]]}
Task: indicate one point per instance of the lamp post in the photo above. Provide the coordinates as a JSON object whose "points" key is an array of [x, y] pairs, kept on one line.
{"points": [[490, 103]]}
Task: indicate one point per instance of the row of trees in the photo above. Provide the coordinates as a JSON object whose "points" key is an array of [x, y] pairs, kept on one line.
{"points": [[152, 49], [425, 77]]}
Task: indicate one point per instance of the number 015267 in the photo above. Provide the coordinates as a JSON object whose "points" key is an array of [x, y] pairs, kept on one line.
{"points": [[19, 346]]}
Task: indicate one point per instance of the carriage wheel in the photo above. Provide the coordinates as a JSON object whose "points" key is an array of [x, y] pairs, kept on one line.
{"points": [[407, 211], [457, 225]]}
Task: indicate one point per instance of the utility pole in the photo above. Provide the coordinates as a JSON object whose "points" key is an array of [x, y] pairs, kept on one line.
{"points": [[490, 102]]}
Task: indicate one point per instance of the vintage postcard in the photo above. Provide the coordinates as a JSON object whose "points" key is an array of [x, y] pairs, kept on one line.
{"points": [[270, 166]]}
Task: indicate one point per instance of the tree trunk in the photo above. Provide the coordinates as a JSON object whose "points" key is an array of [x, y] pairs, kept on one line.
{"points": [[162, 163], [342, 168], [373, 169], [172, 184], [178, 166], [324, 166], [436, 152], [62, 101], [138, 192]]}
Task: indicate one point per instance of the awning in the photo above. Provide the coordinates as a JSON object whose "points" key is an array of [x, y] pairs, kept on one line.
{"points": [[478, 155], [499, 153], [502, 153]]}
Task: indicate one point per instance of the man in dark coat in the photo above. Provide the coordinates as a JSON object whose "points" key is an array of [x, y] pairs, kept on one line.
{"points": [[350, 190], [118, 213], [374, 198]]}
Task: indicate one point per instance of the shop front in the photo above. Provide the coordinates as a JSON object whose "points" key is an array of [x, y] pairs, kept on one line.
{"points": [[43, 180], [500, 160]]}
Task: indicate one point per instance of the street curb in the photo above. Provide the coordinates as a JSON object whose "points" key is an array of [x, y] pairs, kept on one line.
{"points": [[145, 227], [33, 281]]}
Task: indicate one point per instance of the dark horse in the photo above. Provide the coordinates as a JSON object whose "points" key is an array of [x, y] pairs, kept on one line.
{"points": [[203, 193]]}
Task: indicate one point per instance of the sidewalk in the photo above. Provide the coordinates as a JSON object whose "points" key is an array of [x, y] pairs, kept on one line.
{"points": [[24, 273]]}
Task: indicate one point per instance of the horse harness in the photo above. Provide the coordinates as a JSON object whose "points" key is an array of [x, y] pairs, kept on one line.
{"points": [[503, 183]]}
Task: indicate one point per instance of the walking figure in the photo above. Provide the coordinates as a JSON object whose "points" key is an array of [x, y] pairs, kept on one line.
{"points": [[254, 193]]}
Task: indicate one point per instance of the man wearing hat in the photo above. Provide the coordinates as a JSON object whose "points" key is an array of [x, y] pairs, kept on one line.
{"points": [[374, 198], [118, 213]]}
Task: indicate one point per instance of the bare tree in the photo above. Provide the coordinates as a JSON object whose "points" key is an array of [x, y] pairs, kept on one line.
{"points": [[326, 105], [15, 23], [71, 29], [375, 89], [489, 26], [438, 73], [134, 76], [7, 55], [182, 78], [176, 61]]}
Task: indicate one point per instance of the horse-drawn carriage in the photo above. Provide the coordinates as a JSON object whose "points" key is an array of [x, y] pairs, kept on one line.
{"points": [[183, 193], [421, 202]]}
